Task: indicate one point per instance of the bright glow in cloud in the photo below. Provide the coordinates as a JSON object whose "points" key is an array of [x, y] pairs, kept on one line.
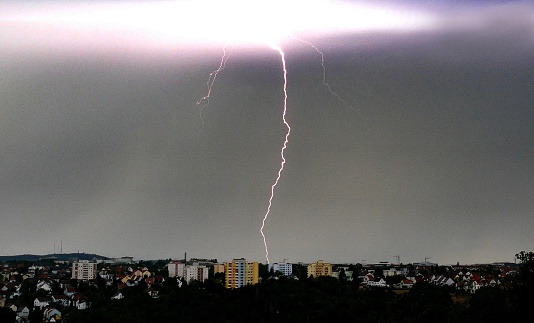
{"points": [[200, 22]]}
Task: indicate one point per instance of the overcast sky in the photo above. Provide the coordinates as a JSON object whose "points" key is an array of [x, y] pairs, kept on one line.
{"points": [[430, 152]]}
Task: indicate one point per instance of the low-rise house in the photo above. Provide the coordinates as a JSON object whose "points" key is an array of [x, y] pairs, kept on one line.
{"points": [[82, 304], [367, 278], [153, 293], [42, 302], [61, 300], [17, 291], [13, 287], [64, 283], [44, 285], [117, 296], [442, 281], [69, 291], [51, 314], [474, 286], [23, 312], [406, 283], [377, 283], [138, 273], [13, 307], [420, 278]]}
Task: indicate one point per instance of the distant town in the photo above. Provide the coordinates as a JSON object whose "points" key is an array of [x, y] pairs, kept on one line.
{"points": [[60, 288]]}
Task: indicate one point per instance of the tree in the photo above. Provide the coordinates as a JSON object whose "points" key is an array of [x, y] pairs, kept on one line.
{"points": [[425, 303], [7, 315], [489, 304], [392, 280], [35, 316], [342, 274], [263, 271], [379, 273], [525, 285]]}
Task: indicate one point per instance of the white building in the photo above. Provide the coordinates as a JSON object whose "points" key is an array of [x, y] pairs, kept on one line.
{"points": [[285, 268], [176, 269], [377, 283], [395, 272], [196, 272], [188, 272], [84, 270]]}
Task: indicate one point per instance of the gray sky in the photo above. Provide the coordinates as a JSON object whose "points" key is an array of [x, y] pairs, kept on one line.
{"points": [[102, 145]]}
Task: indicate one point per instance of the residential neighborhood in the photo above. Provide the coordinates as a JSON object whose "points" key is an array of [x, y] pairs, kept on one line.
{"points": [[50, 290]]}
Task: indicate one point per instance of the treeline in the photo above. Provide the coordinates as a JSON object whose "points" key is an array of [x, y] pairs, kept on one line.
{"points": [[55, 256], [312, 300]]}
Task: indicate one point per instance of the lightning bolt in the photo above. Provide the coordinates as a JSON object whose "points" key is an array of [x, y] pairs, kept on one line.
{"points": [[282, 57], [204, 101], [326, 84]]}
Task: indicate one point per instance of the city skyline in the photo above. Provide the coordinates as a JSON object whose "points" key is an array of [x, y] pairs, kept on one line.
{"points": [[429, 152]]}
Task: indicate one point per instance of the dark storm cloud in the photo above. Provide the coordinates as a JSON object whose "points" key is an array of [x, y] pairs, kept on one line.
{"points": [[431, 156]]}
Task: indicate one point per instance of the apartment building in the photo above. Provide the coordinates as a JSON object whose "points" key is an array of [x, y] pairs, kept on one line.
{"points": [[84, 270], [196, 272], [176, 269], [283, 267], [319, 268], [240, 272]]}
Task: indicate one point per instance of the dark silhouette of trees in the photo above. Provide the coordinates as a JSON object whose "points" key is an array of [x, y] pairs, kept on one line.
{"points": [[342, 274], [491, 304], [7, 315], [425, 302], [524, 286]]}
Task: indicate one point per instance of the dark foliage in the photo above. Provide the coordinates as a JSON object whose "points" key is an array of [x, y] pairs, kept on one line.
{"points": [[525, 286], [7, 315]]}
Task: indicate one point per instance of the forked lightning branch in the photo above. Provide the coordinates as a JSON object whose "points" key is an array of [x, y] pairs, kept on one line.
{"points": [[204, 102]]}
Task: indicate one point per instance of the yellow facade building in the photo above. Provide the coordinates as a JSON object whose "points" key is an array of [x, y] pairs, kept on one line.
{"points": [[218, 268], [319, 268], [240, 272]]}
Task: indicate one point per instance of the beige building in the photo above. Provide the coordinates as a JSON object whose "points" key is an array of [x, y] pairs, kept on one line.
{"points": [[240, 272], [319, 268], [218, 268], [84, 270]]}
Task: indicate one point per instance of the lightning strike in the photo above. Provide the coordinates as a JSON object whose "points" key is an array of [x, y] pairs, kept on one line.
{"points": [[204, 101], [326, 84], [109, 27], [282, 57]]}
